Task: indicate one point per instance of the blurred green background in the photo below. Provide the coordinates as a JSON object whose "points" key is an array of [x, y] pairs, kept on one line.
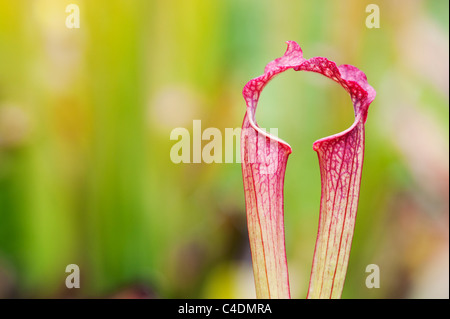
{"points": [[85, 120]]}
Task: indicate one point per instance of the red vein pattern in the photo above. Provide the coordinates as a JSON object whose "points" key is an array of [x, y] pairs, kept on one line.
{"points": [[264, 159]]}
